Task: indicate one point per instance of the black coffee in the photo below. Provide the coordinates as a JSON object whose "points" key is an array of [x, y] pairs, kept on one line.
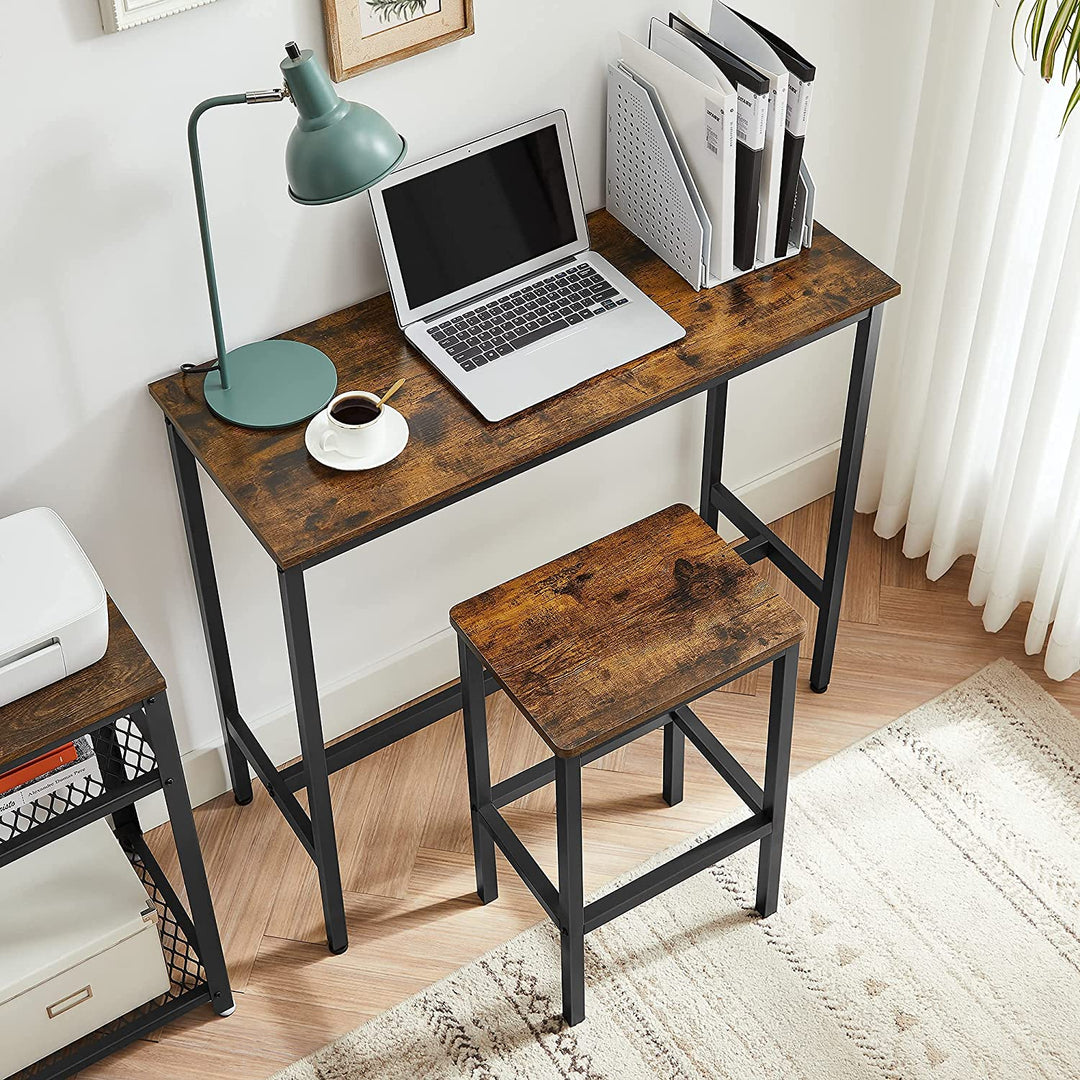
{"points": [[355, 411]]}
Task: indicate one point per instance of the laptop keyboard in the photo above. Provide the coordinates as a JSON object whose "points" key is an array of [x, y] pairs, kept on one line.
{"points": [[546, 306]]}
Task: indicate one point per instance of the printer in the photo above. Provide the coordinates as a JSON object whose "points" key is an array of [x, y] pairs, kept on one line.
{"points": [[54, 617]]}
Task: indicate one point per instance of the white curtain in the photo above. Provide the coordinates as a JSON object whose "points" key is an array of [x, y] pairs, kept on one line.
{"points": [[973, 443]]}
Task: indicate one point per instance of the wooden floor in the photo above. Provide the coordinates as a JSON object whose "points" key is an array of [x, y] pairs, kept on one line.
{"points": [[403, 829]]}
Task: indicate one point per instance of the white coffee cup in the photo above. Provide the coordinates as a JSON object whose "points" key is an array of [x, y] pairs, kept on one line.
{"points": [[351, 439]]}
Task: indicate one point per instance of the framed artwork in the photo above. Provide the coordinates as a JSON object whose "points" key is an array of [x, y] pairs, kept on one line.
{"points": [[124, 14], [364, 34]]}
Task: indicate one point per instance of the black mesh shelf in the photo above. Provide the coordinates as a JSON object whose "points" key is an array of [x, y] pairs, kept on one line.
{"points": [[188, 980], [127, 770]]}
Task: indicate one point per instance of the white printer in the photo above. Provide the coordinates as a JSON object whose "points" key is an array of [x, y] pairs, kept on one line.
{"points": [[54, 618]]}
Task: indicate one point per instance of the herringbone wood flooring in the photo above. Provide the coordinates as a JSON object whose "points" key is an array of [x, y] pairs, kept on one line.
{"points": [[403, 829]]}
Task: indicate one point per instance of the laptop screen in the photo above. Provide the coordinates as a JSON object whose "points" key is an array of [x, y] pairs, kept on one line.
{"points": [[480, 216]]}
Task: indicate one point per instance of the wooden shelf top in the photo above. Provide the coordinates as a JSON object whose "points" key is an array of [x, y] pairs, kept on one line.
{"points": [[630, 626], [302, 511], [122, 678]]}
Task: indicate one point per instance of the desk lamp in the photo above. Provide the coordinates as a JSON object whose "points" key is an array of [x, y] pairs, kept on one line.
{"points": [[337, 149]]}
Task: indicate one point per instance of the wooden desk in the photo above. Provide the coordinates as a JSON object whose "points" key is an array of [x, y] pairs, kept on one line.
{"points": [[303, 513]]}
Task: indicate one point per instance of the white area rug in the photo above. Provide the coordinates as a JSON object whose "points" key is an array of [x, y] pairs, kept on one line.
{"points": [[929, 929]]}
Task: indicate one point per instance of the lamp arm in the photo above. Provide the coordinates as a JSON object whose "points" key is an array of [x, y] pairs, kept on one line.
{"points": [[252, 97]]}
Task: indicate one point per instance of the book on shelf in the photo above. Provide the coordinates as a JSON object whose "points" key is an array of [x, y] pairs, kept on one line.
{"points": [[38, 767], [48, 775]]}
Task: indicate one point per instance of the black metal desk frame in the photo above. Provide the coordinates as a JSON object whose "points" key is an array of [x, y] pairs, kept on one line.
{"points": [[312, 771]]}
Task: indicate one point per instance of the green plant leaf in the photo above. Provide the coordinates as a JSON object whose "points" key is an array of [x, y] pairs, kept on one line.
{"points": [[1072, 49], [1062, 31], [1074, 100], [1015, 23], [1055, 35], [1038, 13]]}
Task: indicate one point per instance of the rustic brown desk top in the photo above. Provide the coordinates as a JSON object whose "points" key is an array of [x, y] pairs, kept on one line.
{"points": [[630, 626], [301, 510], [123, 677]]}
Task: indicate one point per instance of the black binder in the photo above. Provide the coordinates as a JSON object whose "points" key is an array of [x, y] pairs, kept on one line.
{"points": [[794, 129], [750, 85]]}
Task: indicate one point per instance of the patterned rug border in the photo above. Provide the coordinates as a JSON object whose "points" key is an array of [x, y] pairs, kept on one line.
{"points": [[1016, 681]]}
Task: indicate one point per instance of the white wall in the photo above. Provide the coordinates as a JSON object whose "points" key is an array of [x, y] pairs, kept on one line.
{"points": [[101, 290]]}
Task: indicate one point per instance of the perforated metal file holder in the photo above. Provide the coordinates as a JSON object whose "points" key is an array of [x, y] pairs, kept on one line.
{"points": [[651, 192]]}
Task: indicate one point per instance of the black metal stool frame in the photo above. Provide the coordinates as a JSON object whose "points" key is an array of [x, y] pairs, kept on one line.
{"points": [[566, 905]]}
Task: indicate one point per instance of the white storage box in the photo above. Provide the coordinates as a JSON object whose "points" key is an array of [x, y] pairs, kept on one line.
{"points": [[79, 944], [54, 618]]}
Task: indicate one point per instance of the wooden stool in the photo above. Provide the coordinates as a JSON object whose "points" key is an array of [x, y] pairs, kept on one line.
{"points": [[597, 649]]}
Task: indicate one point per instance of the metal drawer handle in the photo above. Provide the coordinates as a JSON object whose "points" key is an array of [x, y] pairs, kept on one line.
{"points": [[69, 1002]]}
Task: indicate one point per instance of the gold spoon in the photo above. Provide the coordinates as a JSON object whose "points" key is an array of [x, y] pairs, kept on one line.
{"points": [[391, 392]]}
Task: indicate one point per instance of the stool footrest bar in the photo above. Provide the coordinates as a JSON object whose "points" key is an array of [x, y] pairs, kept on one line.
{"points": [[537, 776], [753, 551], [675, 871], [528, 869], [720, 758], [523, 783]]}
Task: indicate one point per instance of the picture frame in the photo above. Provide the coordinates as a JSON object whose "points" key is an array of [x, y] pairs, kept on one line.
{"points": [[366, 34], [117, 15]]}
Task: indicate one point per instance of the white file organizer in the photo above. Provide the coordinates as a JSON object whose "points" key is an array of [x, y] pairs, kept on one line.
{"points": [[650, 190]]}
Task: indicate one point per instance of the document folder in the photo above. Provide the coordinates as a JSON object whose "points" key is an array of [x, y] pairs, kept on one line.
{"points": [[801, 75], [753, 111], [645, 186], [732, 32], [700, 120]]}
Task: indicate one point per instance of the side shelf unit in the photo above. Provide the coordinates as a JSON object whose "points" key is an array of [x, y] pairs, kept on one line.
{"points": [[136, 752]]}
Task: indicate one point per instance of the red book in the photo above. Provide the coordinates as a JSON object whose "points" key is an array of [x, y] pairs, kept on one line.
{"points": [[62, 755]]}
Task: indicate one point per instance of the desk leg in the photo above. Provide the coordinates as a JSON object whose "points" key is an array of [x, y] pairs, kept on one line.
{"points": [[208, 944], [777, 767], [713, 453], [571, 887], [316, 774], [186, 471], [843, 509]]}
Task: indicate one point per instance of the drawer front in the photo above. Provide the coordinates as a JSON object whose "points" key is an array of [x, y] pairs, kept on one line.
{"points": [[81, 999], [31, 672]]}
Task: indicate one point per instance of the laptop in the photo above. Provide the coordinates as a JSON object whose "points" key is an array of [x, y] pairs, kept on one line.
{"points": [[492, 278]]}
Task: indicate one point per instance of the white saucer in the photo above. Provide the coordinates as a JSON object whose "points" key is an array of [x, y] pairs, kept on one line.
{"points": [[395, 437]]}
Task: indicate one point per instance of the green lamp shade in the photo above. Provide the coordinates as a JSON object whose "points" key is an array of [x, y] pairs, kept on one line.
{"points": [[338, 148]]}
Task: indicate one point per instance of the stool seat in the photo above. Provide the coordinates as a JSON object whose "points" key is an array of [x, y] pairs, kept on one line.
{"points": [[596, 642]]}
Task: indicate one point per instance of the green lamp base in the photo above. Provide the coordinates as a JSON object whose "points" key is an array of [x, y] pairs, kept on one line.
{"points": [[272, 384]]}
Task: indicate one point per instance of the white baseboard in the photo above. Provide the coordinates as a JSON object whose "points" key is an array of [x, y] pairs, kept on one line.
{"points": [[405, 675]]}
